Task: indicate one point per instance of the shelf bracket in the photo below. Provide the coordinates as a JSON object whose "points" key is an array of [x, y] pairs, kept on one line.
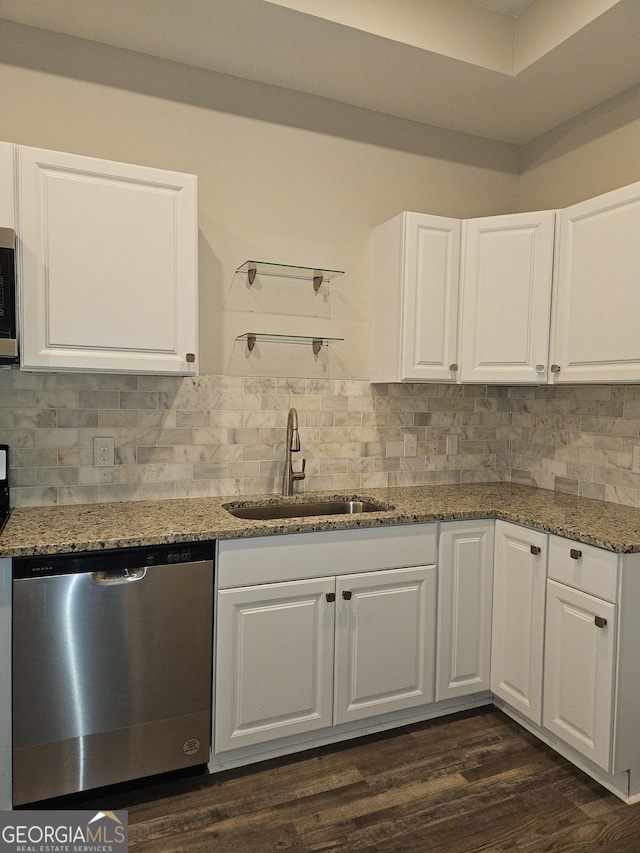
{"points": [[251, 276], [251, 342], [317, 345], [318, 278]]}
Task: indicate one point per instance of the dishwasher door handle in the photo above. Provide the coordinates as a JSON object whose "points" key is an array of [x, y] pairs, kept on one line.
{"points": [[119, 576]]}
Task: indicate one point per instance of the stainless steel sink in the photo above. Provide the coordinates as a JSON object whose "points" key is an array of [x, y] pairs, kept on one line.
{"points": [[262, 512]]}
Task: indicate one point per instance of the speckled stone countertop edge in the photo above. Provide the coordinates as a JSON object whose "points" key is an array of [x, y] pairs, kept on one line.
{"points": [[89, 527]]}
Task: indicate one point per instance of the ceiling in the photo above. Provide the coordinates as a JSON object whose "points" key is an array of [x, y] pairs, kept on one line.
{"points": [[509, 72], [505, 7]]}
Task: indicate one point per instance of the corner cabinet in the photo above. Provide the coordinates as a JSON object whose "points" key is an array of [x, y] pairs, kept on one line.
{"points": [[107, 265], [507, 272], [461, 300], [414, 299], [596, 332]]}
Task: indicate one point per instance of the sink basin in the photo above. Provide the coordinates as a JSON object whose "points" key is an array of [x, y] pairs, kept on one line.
{"points": [[262, 512]]}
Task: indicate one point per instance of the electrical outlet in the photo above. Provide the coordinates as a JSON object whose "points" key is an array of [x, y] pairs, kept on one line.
{"points": [[635, 464], [452, 445], [103, 452], [410, 444]]}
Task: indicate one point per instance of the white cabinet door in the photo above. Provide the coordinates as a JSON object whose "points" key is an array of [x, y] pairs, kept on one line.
{"points": [[465, 582], [274, 662], [6, 754], [517, 643], [415, 269], [597, 330], [579, 671], [385, 642], [108, 255], [7, 197], [507, 273]]}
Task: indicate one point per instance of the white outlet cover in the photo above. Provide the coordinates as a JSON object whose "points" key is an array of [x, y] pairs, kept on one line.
{"points": [[635, 463], [103, 452]]}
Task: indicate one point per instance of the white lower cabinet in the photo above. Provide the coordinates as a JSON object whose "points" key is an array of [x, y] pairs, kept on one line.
{"points": [[579, 674], [581, 648], [385, 642], [517, 644], [323, 630], [300, 653], [275, 661], [275, 672], [465, 581]]}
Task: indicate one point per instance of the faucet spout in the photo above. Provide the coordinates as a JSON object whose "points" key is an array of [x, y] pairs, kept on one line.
{"points": [[292, 445], [293, 436]]}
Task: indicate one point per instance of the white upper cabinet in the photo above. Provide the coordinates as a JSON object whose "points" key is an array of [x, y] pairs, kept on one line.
{"points": [[597, 331], [507, 272], [425, 328], [414, 299], [7, 200], [108, 265]]}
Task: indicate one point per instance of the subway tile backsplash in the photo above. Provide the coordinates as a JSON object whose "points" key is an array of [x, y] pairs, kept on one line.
{"points": [[223, 435]]}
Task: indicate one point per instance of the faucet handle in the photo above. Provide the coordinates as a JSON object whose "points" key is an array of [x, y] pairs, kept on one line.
{"points": [[299, 475]]}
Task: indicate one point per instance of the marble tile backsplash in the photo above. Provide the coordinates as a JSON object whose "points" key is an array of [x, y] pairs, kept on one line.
{"points": [[222, 435], [576, 439]]}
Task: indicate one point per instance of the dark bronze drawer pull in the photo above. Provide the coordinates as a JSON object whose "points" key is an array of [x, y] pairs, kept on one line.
{"points": [[346, 594], [600, 621], [575, 554], [331, 596], [535, 550]]}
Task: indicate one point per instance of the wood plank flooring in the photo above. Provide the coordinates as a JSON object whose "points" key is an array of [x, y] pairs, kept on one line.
{"points": [[475, 781]]}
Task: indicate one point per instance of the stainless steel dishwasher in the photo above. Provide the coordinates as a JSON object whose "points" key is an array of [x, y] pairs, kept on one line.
{"points": [[111, 666]]}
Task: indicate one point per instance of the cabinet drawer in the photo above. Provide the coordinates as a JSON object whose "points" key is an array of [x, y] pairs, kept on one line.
{"points": [[294, 556], [584, 567]]}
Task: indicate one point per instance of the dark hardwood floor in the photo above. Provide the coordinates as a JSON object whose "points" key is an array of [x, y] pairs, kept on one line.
{"points": [[475, 781]]}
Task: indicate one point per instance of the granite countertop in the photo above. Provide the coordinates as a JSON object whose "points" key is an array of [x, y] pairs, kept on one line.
{"points": [[90, 527]]}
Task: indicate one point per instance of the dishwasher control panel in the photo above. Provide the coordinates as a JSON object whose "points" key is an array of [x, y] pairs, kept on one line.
{"points": [[122, 559]]}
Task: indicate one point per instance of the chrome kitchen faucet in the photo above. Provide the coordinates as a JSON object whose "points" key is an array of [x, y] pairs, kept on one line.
{"points": [[292, 446]]}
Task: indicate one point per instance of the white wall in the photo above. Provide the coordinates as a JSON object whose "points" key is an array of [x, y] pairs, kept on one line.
{"points": [[283, 176], [589, 155]]}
